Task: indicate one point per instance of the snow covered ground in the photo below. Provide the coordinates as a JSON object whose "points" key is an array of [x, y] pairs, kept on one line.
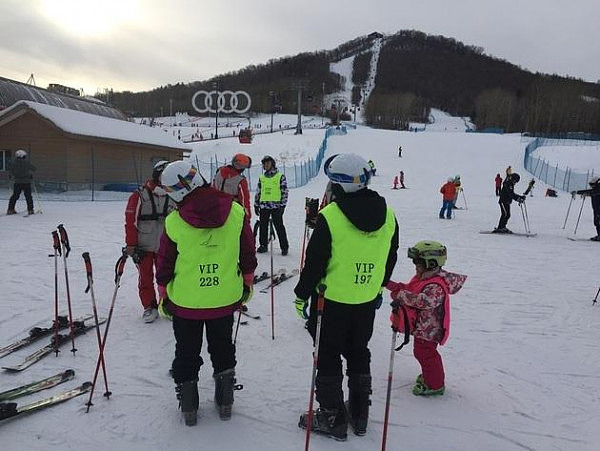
{"points": [[522, 363]]}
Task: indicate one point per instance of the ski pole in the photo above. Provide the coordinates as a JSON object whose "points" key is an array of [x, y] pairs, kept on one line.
{"points": [[90, 288], [320, 308], [66, 249], [389, 389], [237, 326], [579, 217], [303, 246], [596, 298], [523, 215], [464, 198], [568, 210], [118, 273], [37, 198], [527, 217], [271, 239], [56, 246]]}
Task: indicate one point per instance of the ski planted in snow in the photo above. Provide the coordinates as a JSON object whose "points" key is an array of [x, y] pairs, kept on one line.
{"points": [[491, 232], [37, 386], [78, 329], [249, 315], [278, 279], [573, 238], [12, 410], [36, 333]]}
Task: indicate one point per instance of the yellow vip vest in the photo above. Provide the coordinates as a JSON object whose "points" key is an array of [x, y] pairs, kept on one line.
{"points": [[357, 265], [207, 274], [270, 188]]}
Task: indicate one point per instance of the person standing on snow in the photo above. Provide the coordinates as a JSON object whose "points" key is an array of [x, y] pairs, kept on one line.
{"points": [[498, 182], [594, 193], [270, 202], [353, 252], [457, 183], [145, 215], [507, 195], [402, 180], [426, 299], [448, 191], [20, 170], [231, 180], [400, 151], [206, 264]]}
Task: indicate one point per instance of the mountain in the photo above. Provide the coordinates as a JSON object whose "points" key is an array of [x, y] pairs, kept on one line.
{"points": [[413, 72]]}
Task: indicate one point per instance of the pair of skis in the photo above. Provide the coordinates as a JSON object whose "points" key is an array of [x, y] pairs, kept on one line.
{"points": [[12, 409], [279, 279], [79, 328]]}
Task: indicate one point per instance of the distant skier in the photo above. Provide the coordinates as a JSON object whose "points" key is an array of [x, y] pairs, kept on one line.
{"points": [[509, 170], [498, 181], [372, 166], [594, 193], [448, 191], [426, 299], [400, 151], [20, 171], [507, 195], [402, 180], [529, 189], [396, 182], [458, 185]]}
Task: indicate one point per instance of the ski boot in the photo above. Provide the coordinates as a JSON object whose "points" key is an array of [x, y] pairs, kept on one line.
{"points": [[421, 389], [187, 394], [359, 387], [11, 211], [595, 238], [224, 387], [329, 422]]}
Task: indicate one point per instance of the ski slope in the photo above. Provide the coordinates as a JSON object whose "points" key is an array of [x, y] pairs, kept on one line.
{"points": [[522, 362]]}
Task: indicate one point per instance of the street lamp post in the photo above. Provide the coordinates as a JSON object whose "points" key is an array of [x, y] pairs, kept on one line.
{"points": [[271, 94], [216, 86]]}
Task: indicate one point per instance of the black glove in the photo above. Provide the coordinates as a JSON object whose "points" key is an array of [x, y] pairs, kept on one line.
{"points": [[379, 299], [521, 199], [257, 211]]}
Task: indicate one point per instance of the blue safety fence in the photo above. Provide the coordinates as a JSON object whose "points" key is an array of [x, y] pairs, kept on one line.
{"points": [[562, 178], [297, 174]]}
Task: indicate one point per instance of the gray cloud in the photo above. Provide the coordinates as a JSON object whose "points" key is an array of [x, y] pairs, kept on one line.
{"points": [[186, 40]]}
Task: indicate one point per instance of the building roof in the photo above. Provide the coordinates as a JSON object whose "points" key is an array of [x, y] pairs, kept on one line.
{"points": [[91, 125], [12, 91]]}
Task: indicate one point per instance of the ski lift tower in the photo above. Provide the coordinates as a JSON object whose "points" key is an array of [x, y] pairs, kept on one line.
{"points": [[299, 85]]}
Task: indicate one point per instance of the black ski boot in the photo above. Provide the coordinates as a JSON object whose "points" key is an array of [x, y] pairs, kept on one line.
{"points": [[359, 388], [187, 394], [329, 422], [224, 386]]}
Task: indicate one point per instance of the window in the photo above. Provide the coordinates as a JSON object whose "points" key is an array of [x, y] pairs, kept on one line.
{"points": [[4, 159]]}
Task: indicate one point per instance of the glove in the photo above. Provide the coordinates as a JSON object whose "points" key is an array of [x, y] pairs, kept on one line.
{"points": [[257, 211], [521, 199], [395, 286], [378, 299], [163, 311], [162, 292], [247, 294], [301, 306], [130, 250], [573, 194]]}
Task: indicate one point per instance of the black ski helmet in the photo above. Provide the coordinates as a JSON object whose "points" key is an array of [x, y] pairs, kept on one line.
{"points": [[514, 177], [268, 158]]}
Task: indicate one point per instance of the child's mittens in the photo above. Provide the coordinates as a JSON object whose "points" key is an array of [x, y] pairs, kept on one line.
{"points": [[395, 288]]}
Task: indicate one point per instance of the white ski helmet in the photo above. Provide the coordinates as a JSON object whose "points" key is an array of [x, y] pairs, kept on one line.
{"points": [[349, 171], [158, 168], [20, 153], [180, 178]]}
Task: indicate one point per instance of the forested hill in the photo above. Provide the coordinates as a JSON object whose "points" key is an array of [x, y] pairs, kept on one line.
{"points": [[415, 72]]}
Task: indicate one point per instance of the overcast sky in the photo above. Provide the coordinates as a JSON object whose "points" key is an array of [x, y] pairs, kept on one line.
{"points": [[142, 44]]}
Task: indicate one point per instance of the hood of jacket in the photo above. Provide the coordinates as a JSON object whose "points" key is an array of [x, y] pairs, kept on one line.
{"points": [[453, 280], [365, 209], [205, 207], [229, 171]]}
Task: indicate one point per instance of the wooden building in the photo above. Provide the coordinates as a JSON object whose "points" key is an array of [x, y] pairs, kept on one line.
{"points": [[74, 150]]}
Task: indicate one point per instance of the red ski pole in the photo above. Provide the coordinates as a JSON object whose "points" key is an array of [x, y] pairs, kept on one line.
{"points": [[66, 249], [271, 239], [118, 273], [90, 288], [56, 245], [320, 307]]}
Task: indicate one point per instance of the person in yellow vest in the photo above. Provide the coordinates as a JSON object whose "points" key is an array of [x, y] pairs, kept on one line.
{"points": [[270, 202], [353, 251], [205, 272]]}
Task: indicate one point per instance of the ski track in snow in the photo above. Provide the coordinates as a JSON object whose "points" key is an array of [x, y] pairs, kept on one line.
{"points": [[522, 363]]}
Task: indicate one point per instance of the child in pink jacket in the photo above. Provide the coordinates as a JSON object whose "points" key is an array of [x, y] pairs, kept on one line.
{"points": [[426, 301]]}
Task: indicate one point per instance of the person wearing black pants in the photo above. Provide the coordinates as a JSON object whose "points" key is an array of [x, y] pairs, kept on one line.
{"points": [[20, 171], [269, 202], [594, 193], [507, 195]]}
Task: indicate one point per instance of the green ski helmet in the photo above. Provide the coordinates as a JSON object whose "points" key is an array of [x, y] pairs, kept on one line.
{"points": [[433, 253]]}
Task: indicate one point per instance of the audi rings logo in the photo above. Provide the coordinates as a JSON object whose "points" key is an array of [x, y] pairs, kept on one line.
{"points": [[222, 97]]}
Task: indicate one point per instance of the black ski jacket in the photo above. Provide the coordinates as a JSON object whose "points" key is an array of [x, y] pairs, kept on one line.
{"points": [[365, 209], [507, 193], [594, 193]]}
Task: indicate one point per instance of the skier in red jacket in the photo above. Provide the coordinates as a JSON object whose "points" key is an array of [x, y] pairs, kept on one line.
{"points": [[448, 191]]}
